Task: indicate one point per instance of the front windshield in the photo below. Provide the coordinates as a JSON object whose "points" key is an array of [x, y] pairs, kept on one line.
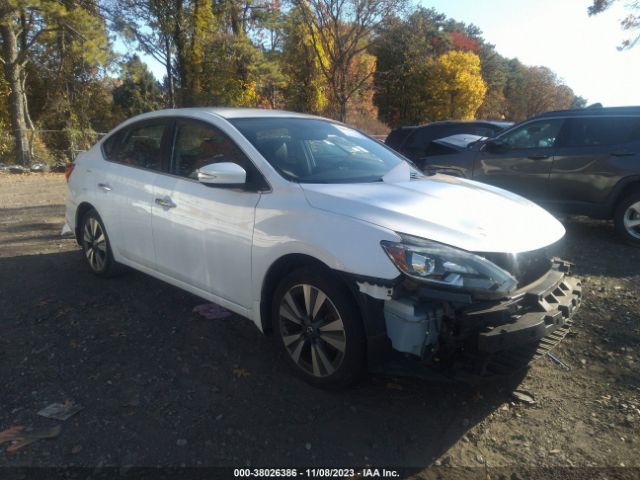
{"points": [[318, 151]]}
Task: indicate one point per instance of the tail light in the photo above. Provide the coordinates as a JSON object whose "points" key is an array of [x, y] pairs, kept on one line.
{"points": [[68, 170]]}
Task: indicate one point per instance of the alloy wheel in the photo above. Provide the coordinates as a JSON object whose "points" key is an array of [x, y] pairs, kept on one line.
{"points": [[95, 244], [312, 330], [631, 220]]}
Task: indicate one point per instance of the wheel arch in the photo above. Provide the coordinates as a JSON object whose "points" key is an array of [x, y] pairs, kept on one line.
{"points": [[278, 269], [625, 187], [629, 188], [81, 211]]}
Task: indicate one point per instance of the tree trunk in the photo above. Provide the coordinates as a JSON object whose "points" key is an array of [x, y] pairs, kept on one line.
{"points": [[170, 84], [13, 75]]}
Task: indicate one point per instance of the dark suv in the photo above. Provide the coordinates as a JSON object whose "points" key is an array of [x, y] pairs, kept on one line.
{"points": [[413, 142], [582, 162]]}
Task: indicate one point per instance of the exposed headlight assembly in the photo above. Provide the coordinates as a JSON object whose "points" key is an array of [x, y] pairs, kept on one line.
{"points": [[444, 266]]}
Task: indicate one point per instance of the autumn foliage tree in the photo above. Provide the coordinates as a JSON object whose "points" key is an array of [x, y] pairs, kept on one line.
{"points": [[368, 62], [455, 86], [340, 31]]}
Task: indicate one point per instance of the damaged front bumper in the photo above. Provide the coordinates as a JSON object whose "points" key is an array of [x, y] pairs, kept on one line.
{"points": [[443, 327]]}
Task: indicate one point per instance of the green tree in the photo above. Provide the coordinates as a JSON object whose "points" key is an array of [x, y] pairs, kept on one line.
{"points": [[70, 36], [139, 91], [405, 49], [305, 89]]}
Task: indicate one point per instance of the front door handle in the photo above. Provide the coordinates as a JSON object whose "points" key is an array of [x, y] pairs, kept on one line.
{"points": [[105, 186], [165, 202], [539, 156]]}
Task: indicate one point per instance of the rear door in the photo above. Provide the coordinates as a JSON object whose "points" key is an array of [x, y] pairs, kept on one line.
{"points": [[203, 234], [137, 156], [524, 163], [593, 154]]}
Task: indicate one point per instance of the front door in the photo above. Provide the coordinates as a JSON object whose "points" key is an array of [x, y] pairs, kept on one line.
{"points": [[523, 163], [203, 234]]}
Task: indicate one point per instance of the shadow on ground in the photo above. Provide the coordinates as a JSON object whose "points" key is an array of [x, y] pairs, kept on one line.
{"points": [[162, 386]]}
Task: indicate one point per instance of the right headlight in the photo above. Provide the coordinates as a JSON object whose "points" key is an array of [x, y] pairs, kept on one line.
{"points": [[445, 266]]}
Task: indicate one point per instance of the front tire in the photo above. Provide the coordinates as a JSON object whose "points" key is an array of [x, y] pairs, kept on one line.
{"points": [[319, 329], [96, 247], [627, 219]]}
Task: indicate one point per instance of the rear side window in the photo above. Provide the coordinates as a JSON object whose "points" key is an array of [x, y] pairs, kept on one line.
{"points": [[397, 136], [110, 145], [419, 140], [138, 146], [601, 131]]}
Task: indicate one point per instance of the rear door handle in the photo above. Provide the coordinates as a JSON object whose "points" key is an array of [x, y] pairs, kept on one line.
{"points": [[539, 156], [105, 186], [622, 153], [165, 202]]}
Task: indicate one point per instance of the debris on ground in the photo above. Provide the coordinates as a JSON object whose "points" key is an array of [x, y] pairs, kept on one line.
{"points": [[557, 361], [60, 411], [211, 311], [523, 397], [393, 386], [20, 438]]}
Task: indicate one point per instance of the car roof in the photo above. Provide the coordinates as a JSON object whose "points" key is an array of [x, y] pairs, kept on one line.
{"points": [[497, 123], [226, 112], [592, 111]]}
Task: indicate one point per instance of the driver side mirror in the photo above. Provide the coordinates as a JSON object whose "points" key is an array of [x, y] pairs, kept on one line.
{"points": [[495, 146], [223, 174]]}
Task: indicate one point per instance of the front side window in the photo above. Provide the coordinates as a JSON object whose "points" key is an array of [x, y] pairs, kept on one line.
{"points": [[198, 144], [540, 134], [138, 146], [318, 151]]}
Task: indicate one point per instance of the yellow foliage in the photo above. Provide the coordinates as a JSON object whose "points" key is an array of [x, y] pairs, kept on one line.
{"points": [[249, 96], [455, 86]]}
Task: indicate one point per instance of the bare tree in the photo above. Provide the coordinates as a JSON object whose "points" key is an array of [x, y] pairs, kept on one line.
{"points": [[340, 30]]}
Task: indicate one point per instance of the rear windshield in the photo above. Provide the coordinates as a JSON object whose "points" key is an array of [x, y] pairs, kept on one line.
{"points": [[318, 151]]}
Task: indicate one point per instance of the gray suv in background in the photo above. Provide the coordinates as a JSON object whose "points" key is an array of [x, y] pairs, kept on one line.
{"points": [[579, 162]]}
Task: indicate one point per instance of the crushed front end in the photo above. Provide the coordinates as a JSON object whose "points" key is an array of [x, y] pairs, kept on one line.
{"points": [[455, 328]]}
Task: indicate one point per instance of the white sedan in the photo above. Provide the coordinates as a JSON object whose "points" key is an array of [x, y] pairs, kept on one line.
{"points": [[321, 235]]}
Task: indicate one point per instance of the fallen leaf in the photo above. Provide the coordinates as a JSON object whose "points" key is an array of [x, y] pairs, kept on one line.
{"points": [[240, 372], [10, 434], [24, 439], [394, 386]]}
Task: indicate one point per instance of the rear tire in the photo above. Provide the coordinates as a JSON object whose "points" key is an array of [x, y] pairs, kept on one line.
{"points": [[627, 219], [96, 247], [318, 328]]}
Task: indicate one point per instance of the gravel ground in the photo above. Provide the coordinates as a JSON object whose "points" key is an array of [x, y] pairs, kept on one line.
{"points": [[161, 386]]}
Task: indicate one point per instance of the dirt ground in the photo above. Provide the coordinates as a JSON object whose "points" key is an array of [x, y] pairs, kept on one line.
{"points": [[161, 386]]}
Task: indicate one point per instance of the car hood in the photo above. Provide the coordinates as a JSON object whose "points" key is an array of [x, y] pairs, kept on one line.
{"points": [[459, 141], [454, 211]]}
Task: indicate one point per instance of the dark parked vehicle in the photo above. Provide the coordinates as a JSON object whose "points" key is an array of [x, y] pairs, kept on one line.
{"points": [[582, 162], [413, 142]]}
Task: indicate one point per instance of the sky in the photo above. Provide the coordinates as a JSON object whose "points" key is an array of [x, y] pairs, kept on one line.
{"points": [[555, 33], [559, 34]]}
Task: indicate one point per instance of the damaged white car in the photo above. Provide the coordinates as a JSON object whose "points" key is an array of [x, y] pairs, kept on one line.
{"points": [[323, 237]]}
